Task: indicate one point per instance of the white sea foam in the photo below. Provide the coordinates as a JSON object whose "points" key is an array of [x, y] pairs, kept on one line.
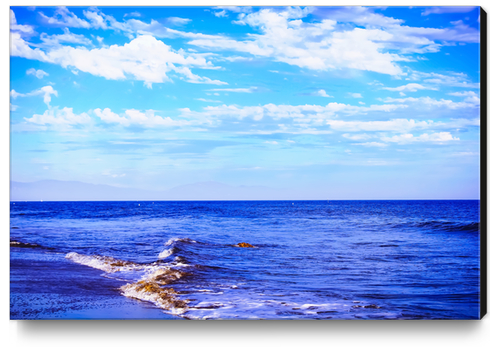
{"points": [[177, 239], [104, 263], [151, 288], [162, 297], [166, 253]]}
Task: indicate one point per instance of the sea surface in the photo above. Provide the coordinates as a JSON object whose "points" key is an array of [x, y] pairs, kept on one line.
{"points": [[180, 260]]}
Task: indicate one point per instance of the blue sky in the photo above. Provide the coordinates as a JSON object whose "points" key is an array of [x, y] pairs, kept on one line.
{"points": [[323, 102]]}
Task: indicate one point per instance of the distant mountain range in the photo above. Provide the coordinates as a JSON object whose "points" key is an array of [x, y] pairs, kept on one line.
{"points": [[53, 190]]}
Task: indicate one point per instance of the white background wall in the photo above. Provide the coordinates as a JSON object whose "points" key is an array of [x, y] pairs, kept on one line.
{"points": [[229, 333]]}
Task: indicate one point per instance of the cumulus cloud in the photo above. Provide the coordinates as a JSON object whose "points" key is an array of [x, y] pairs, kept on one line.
{"points": [[357, 137], [396, 125], [22, 29], [470, 102], [46, 92], [178, 20], [144, 58], [66, 37], [285, 37], [465, 93], [447, 9], [323, 93], [20, 48], [59, 117], [235, 90], [410, 87], [410, 138], [357, 14], [192, 78], [38, 73], [221, 13], [63, 17], [129, 27], [304, 114], [132, 14], [137, 118], [371, 144], [452, 79], [376, 46], [207, 100]]}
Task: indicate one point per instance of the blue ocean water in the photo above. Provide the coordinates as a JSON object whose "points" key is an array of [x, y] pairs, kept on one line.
{"points": [[310, 260]]}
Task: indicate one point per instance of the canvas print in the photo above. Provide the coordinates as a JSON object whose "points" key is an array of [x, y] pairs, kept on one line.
{"points": [[245, 163]]}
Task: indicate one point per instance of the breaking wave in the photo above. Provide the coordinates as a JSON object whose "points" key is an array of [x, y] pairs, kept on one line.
{"points": [[198, 297], [150, 281]]}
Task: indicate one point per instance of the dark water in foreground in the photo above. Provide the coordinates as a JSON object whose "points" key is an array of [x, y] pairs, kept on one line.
{"points": [[312, 260]]}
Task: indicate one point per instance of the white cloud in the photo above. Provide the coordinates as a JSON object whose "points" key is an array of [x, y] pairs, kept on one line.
{"points": [[67, 37], [410, 138], [235, 9], [355, 95], [207, 100], [64, 117], [178, 20], [137, 118], [323, 93], [286, 38], [97, 21], [396, 125], [144, 58], [410, 87], [271, 142], [357, 137], [470, 97], [235, 90], [357, 14], [46, 92], [330, 44], [371, 144], [465, 93], [192, 78], [20, 48], [447, 9], [63, 17], [470, 102], [132, 14], [221, 13], [38, 73], [314, 114], [130, 27], [24, 29], [452, 79]]}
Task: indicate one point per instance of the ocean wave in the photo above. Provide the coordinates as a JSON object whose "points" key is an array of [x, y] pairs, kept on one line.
{"points": [[174, 240], [151, 287], [14, 243], [166, 253], [451, 226], [104, 263], [172, 246]]}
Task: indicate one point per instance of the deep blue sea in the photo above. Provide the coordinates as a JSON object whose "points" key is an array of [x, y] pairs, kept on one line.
{"points": [[310, 260]]}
